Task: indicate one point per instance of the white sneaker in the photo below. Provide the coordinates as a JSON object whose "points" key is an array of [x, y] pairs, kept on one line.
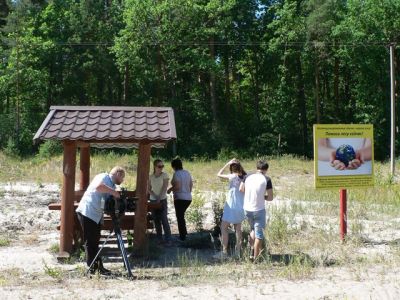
{"points": [[251, 256], [220, 255]]}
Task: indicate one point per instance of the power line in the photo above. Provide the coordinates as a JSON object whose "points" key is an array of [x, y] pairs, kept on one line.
{"points": [[172, 43]]}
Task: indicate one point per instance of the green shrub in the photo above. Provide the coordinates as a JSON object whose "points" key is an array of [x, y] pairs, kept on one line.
{"points": [[218, 209], [11, 148], [50, 148], [226, 154], [195, 213], [278, 229]]}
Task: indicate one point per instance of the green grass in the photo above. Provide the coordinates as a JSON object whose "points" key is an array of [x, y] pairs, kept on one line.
{"points": [[298, 267], [4, 241], [54, 248], [292, 176], [54, 272], [10, 276]]}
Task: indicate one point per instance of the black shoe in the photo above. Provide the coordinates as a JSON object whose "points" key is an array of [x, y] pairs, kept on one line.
{"points": [[94, 268], [104, 271]]}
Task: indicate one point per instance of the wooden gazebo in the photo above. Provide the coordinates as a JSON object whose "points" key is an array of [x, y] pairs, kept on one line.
{"points": [[97, 126]]}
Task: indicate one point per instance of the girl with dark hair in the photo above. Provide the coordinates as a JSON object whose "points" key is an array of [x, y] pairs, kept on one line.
{"points": [[182, 185], [158, 183], [233, 209]]}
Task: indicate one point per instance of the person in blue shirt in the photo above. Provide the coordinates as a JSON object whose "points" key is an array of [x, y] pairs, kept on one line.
{"points": [[90, 213]]}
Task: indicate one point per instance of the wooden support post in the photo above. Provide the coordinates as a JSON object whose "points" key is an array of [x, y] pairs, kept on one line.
{"points": [[67, 198], [343, 214], [392, 110], [84, 168], [140, 225]]}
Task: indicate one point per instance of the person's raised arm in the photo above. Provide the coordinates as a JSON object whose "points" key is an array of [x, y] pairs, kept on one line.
{"points": [[221, 171]]}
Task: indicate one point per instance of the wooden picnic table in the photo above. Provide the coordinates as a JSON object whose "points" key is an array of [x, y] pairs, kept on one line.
{"points": [[127, 220]]}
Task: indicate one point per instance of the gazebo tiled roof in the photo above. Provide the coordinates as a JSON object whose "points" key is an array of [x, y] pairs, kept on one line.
{"points": [[84, 127], [108, 126]]}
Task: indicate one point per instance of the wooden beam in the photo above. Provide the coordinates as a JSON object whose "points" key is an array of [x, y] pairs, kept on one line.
{"points": [[140, 225], [82, 144], [67, 198], [84, 166], [130, 141]]}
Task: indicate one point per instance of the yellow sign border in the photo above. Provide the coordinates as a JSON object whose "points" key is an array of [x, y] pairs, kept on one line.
{"points": [[326, 177]]}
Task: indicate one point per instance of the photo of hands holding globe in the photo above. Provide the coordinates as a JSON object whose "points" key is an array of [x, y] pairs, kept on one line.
{"points": [[344, 156]]}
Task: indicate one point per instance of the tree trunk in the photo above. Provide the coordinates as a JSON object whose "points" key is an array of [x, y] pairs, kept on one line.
{"points": [[256, 87], [213, 96], [51, 84], [336, 85], [316, 92], [126, 85], [159, 88], [100, 90], [110, 94], [4, 11], [347, 96], [256, 97], [227, 79], [301, 100]]}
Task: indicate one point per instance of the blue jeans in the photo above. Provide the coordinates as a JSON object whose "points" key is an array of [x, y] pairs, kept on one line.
{"points": [[257, 222]]}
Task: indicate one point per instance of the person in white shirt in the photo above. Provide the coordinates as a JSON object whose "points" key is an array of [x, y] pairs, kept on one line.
{"points": [[257, 189], [158, 183], [182, 185], [90, 213]]}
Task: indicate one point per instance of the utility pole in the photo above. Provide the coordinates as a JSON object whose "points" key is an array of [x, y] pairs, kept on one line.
{"points": [[392, 111], [18, 100]]}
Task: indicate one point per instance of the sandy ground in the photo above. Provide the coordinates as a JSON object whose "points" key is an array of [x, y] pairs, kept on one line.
{"points": [[26, 221]]}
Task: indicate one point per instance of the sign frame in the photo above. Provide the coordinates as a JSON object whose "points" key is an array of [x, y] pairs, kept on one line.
{"points": [[332, 173]]}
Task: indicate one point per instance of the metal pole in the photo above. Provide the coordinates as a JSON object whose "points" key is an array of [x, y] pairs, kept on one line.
{"points": [[392, 112], [343, 214]]}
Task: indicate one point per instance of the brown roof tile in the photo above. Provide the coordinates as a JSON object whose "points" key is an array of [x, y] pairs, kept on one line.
{"points": [[111, 125]]}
